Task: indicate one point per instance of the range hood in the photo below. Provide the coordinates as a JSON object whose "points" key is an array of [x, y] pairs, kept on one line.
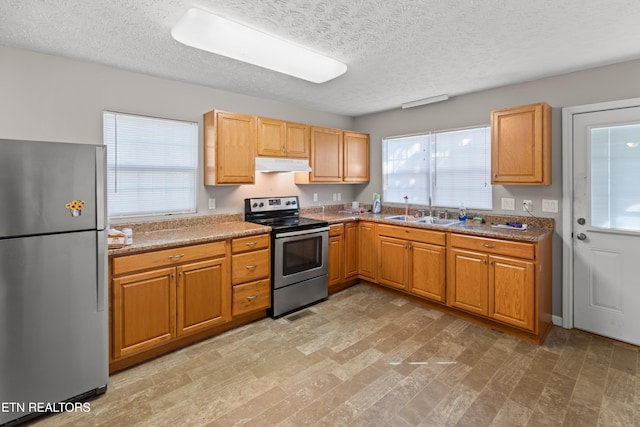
{"points": [[281, 164]]}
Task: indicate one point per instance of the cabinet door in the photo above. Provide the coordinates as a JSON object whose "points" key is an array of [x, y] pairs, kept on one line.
{"points": [[203, 295], [144, 311], [512, 291], [326, 155], [297, 140], [367, 251], [335, 260], [235, 148], [271, 137], [393, 262], [356, 157], [468, 281], [521, 145], [350, 250], [428, 271]]}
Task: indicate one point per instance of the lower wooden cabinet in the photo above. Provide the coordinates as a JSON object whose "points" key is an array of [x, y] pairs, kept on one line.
{"points": [[343, 254], [428, 271], [251, 274], [144, 311], [175, 296], [203, 289], [412, 260], [488, 283], [367, 257]]}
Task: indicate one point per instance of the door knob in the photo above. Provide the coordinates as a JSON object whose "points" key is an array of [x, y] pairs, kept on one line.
{"points": [[581, 236]]}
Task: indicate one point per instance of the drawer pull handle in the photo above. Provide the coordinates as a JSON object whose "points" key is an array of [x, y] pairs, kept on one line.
{"points": [[250, 267], [172, 257], [252, 297], [251, 243], [487, 245]]}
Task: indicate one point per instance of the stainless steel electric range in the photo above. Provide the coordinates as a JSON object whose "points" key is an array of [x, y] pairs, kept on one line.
{"points": [[299, 252]]}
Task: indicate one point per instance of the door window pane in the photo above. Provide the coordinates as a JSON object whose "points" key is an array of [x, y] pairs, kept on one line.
{"points": [[615, 174]]}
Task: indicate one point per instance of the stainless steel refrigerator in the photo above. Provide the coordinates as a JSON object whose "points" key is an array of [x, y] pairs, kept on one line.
{"points": [[53, 276]]}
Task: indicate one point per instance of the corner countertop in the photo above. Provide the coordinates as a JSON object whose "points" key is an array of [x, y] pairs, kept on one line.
{"points": [[196, 230]]}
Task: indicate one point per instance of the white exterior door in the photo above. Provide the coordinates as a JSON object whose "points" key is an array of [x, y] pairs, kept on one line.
{"points": [[606, 223]]}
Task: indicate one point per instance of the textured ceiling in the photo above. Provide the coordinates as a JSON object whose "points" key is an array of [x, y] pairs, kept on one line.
{"points": [[396, 50]]}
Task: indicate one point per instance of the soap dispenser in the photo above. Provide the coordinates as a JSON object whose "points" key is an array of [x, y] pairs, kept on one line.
{"points": [[376, 204], [462, 216]]}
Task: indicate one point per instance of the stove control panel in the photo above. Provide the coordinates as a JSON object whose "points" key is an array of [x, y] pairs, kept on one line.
{"points": [[271, 204]]}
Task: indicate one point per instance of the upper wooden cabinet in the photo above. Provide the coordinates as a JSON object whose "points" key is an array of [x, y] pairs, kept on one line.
{"points": [[521, 145], [277, 138], [337, 156], [229, 148], [356, 157]]}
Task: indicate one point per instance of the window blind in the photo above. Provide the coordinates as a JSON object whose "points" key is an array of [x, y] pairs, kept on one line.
{"points": [[151, 165], [451, 167]]}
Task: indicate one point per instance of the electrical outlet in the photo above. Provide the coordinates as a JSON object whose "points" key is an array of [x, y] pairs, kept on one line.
{"points": [[508, 204], [549, 205], [315, 197], [527, 205], [335, 197], [339, 196], [212, 203]]}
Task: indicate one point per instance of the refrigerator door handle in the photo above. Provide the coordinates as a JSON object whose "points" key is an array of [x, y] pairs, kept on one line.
{"points": [[101, 199], [103, 262]]}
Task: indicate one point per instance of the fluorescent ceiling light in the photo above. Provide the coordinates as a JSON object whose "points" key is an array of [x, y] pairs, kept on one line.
{"points": [[206, 31], [425, 101]]}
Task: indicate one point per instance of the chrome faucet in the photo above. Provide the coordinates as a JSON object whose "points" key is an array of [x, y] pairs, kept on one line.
{"points": [[421, 213]]}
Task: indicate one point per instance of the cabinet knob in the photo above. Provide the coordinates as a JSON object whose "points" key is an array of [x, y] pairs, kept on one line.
{"points": [[250, 267], [174, 257], [486, 245], [251, 243], [252, 297]]}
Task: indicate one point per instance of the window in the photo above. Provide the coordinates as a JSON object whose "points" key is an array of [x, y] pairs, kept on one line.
{"points": [[451, 167], [151, 165]]}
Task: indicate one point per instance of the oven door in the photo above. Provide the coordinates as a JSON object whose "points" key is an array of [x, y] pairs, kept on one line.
{"points": [[300, 255]]}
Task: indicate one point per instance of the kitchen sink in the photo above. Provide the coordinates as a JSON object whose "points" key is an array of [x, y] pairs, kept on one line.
{"points": [[400, 217], [436, 221], [423, 220]]}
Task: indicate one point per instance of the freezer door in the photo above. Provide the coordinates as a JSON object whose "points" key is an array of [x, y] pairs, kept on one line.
{"points": [[53, 335], [41, 181]]}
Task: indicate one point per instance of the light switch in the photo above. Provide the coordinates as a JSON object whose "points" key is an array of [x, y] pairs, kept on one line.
{"points": [[549, 205], [508, 204]]}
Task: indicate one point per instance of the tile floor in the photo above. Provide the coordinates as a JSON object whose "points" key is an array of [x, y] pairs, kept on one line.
{"points": [[368, 358]]}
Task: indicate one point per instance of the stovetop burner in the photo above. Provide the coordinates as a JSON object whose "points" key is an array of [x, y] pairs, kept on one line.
{"points": [[279, 213]]}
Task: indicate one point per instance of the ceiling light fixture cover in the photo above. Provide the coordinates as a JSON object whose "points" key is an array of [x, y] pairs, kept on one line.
{"points": [[206, 31], [425, 101]]}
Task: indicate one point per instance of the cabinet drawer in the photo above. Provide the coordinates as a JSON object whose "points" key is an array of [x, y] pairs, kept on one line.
{"points": [[250, 266], [494, 246], [251, 243], [251, 296], [166, 257], [415, 234], [336, 229]]}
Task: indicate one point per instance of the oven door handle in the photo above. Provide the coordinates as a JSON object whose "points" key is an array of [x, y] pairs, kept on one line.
{"points": [[300, 232]]}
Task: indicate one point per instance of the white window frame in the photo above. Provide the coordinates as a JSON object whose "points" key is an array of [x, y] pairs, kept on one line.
{"points": [[152, 165], [424, 178]]}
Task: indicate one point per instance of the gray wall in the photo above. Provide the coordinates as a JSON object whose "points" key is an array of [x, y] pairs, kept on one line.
{"points": [[608, 83], [51, 98]]}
